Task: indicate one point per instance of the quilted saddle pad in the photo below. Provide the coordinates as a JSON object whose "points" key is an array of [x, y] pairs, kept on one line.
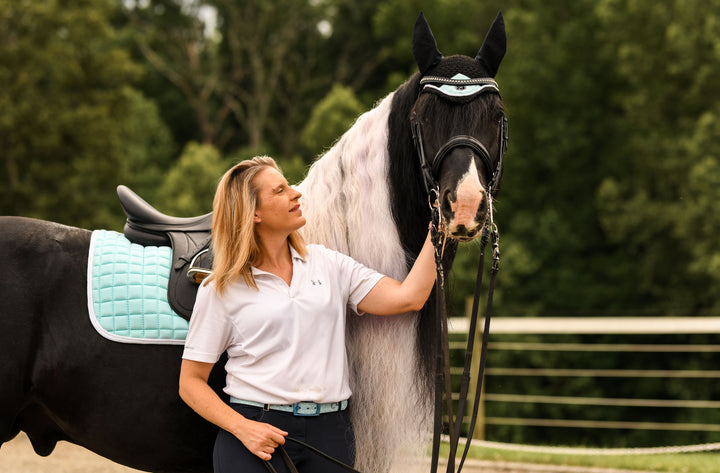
{"points": [[127, 291]]}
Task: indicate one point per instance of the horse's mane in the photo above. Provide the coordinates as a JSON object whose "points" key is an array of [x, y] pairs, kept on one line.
{"points": [[351, 197], [410, 208], [346, 196]]}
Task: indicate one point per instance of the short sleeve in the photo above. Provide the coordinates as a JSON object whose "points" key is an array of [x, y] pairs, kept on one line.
{"points": [[359, 279], [209, 332]]}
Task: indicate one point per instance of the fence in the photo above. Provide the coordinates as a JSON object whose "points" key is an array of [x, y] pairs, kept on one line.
{"points": [[542, 326]]}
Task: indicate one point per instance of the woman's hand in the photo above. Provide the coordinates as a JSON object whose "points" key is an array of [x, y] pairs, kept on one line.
{"points": [[260, 438], [390, 297]]}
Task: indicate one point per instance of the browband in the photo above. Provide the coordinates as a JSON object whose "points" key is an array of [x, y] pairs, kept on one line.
{"points": [[458, 79], [459, 86]]}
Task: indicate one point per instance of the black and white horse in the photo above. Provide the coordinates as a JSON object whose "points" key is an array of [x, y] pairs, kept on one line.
{"points": [[60, 380]]}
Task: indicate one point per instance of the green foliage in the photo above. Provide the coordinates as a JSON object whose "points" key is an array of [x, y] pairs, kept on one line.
{"points": [[63, 92], [330, 118], [189, 186], [149, 148], [659, 207]]}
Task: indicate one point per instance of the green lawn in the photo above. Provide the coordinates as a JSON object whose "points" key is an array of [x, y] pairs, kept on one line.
{"points": [[672, 462]]}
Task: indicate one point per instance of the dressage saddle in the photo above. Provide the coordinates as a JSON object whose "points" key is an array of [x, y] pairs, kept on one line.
{"points": [[189, 239]]}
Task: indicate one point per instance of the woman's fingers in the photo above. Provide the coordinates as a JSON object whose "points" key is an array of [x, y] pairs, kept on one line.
{"points": [[262, 439], [278, 436]]}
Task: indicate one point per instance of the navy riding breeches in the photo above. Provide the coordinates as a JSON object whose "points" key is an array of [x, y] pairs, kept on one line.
{"points": [[330, 433]]}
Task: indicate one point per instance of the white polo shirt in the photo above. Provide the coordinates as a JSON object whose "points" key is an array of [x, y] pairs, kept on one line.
{"points": [[285, 344]]}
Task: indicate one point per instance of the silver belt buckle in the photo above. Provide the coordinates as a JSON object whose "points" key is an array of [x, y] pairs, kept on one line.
{"points": [[306, 405]]}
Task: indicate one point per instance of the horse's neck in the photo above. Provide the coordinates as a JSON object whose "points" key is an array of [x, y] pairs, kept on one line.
{"points": [[346, 196]]}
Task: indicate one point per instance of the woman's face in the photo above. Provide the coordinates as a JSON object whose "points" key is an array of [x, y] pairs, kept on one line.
{"points": [[278, 206]]}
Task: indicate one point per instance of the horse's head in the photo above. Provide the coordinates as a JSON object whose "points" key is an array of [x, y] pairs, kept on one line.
{"points": [[459, 128]]}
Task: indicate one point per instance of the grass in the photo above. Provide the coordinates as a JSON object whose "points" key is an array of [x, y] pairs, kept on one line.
{"points": [[708, 462]]}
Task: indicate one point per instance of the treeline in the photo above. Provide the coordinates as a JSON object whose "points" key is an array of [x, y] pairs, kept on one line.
{"points": [[611, 194]]}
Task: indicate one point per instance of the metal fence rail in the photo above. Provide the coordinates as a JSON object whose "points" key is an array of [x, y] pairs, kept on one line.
{"points": [[600, 326]]}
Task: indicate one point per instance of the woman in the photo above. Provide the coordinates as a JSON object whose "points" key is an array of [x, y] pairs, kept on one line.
{"points": [[278, 308]]}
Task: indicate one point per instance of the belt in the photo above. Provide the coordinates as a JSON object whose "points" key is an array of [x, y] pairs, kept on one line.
{"points": [[304, 408]]}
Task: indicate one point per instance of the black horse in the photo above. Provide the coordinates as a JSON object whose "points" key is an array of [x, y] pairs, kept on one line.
{"points": [[60, 380]]}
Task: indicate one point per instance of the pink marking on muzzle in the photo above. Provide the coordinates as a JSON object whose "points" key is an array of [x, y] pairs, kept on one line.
{"points": [[469, 194]]}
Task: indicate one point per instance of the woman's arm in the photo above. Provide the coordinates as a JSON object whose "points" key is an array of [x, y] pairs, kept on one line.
{"points": [[260, 438], [390, 297]]}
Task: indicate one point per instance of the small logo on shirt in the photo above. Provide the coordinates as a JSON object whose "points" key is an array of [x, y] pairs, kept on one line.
{"points": [[316, 282]]}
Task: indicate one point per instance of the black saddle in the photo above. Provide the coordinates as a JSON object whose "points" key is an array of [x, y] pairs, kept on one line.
{"points": [[189, 238]]}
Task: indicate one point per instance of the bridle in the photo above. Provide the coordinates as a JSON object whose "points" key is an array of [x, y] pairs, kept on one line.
{"points": [[430, 170]]}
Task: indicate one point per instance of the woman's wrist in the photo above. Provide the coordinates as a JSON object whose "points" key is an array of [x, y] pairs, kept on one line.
{"points": [[239, 425]]}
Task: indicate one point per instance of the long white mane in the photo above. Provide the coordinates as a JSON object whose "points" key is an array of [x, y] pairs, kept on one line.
{"points": [[346, 201]]}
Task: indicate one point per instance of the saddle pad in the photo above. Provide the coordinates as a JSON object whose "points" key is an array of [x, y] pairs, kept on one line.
{"points": [[127, 291]]}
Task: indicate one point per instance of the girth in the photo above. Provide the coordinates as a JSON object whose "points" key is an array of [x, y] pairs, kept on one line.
{"points": [[189, 238]]}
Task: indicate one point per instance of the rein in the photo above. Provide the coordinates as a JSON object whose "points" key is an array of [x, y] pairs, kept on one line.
{"points": [[443, 386], [288, 461]]}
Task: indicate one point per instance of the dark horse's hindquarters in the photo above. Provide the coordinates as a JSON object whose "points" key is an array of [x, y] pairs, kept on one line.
{"points": [[68, 382]]}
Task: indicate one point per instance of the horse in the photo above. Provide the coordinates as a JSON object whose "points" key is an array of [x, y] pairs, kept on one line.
{"points": [[367, 197]]}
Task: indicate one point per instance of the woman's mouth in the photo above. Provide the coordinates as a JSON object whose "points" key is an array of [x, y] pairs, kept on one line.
{"points": [[295, 209]]}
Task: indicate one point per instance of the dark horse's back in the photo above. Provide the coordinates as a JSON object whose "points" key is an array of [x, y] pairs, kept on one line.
{"points": [[62, 381]]}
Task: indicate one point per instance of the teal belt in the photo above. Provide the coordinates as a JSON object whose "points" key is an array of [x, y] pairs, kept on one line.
{"points": [[305, 408]]}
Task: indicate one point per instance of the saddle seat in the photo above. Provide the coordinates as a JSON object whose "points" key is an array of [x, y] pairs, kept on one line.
{"points": [[189, 238], [147, 226]]}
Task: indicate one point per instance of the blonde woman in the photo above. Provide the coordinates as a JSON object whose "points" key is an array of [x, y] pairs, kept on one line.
{"points": [[278, 306]]}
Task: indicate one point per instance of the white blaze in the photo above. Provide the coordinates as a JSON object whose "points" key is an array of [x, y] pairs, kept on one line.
{"points": [[468, 196]]}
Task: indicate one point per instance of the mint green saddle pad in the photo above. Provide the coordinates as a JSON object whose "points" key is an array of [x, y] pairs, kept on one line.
{"points": [[127, 291]]}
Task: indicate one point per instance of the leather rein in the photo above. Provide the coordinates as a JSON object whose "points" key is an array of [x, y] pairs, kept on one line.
{"points": [[443, 387]]}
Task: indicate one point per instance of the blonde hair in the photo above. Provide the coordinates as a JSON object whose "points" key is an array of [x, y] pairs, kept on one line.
{"points": [[236, 247]]}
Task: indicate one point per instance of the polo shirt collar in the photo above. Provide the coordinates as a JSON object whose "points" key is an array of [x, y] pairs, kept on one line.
{"points": [[293, 254]]}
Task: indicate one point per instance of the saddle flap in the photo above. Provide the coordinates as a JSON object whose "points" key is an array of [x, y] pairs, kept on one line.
{"points": [[186, 248]]}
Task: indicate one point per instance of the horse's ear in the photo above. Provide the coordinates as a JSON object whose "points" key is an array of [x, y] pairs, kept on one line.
{"points": [[493, 48], [425, 48]]}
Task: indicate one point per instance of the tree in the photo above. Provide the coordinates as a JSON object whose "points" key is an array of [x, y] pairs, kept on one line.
{"points": [[63, 93], [270, 67], [148, 147], [189, 187], [657, 202], [177, 44], [330, 118]]}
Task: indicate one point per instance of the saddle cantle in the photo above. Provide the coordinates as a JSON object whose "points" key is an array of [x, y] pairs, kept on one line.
{"points": [[189, 238]]}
